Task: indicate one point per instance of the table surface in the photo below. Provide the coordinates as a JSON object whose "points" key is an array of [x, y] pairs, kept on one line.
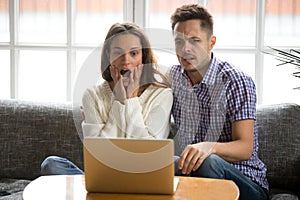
{"points": [[72, 187]]}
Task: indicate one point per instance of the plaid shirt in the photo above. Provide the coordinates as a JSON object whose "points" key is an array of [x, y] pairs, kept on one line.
{"points": [[206, 111]]}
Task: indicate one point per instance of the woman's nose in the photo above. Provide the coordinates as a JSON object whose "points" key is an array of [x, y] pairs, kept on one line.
{"points": [[126, 57]]}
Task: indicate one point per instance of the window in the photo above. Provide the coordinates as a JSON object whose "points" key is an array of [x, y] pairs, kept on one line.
{"points": [[4, 74], [43, 44], [4, 18], [244, 30], [46, 40]]}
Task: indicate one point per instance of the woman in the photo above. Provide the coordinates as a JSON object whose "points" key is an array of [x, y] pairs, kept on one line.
{"points": [[130, 103]]}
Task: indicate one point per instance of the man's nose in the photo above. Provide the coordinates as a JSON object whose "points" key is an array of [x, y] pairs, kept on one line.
{"points": [[186, 46]]}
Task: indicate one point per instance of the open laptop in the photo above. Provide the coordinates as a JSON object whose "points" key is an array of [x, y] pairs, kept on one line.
{"points": [[129, 166]]}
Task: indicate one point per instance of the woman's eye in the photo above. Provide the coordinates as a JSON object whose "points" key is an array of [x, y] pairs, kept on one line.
{"points": [[134, 53]]}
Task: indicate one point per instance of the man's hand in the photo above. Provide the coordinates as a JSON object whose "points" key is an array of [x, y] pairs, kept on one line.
{"points": [[193, 156]]}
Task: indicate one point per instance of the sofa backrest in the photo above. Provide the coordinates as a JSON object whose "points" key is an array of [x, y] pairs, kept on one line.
{"points": [[32, 131], [279, 144]]}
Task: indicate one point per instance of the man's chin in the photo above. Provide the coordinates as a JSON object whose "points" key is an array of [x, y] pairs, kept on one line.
{"points": [[189, 68]]}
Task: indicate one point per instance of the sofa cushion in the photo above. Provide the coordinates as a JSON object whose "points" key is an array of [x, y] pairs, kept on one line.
{"points": [[12, 189], [279, 143]]}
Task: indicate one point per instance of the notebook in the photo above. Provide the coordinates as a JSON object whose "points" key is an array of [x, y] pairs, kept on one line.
{"points": [[129, 166]]}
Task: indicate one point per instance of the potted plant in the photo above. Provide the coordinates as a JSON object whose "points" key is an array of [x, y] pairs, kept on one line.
{"points": [[287, 57]]}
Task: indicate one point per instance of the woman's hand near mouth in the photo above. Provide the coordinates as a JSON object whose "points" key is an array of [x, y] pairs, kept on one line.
{"points": [[118, 89], [121, 91], [134, 82]]}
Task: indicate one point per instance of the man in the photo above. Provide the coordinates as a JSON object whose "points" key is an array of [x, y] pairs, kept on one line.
{"points": [[214, 109]]}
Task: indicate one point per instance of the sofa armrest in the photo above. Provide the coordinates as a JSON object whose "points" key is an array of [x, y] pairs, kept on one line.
{"points": [[279, 144]]}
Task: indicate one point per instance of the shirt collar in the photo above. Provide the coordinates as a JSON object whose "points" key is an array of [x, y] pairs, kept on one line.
{"points": [[211, 73]]}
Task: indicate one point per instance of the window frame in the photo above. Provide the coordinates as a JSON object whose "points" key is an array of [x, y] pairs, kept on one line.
{"points": [[135, 11], [70, 47]]}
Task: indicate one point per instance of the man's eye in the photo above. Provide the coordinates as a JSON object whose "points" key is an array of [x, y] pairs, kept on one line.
{"points": [[194, 40], [178, 42]]}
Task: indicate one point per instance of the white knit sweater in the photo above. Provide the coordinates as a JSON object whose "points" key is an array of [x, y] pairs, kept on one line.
{"points": [[147, 116]]}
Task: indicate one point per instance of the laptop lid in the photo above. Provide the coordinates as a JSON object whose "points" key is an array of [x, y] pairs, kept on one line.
{"points": [[129, 165]]}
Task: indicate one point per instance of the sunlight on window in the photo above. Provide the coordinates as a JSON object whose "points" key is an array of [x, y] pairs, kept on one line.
{"points": [[4, 19], [4, 74], [160, 12], [43, 21], [282, 23], [42, 78], [94, 18], [234, 21], [279, 83]]}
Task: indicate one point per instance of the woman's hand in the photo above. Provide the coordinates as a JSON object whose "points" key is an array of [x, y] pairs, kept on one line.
{"points": [[119, 89], [134, 82]]}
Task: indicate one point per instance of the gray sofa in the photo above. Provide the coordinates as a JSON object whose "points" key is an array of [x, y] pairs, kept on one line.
{"points": [[32, 131]]}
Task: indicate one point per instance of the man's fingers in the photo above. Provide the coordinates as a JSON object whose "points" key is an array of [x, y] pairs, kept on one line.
{"points": [[188, 159]]}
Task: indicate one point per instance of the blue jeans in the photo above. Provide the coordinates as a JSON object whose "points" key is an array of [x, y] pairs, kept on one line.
{"points": [[215, 167], [54, 165]]}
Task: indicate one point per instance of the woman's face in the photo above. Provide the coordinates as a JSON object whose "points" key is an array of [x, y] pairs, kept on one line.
{"points": [[126, 53]]}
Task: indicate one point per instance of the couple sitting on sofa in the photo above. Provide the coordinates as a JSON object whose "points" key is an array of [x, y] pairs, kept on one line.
{"points": [[212, 102]]}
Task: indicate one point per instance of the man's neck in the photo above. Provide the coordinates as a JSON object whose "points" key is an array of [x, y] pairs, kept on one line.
{"points": [[195, 76]]}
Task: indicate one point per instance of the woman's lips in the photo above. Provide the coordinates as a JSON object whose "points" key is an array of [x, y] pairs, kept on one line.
{"points": [[123, 71]]}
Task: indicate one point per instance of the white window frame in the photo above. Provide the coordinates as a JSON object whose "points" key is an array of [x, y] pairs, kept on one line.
{"points": [[257, 49], [70, 47], [134, 11]]}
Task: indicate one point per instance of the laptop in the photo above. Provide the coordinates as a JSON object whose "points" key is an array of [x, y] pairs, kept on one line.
{"points": [[122, 165]]}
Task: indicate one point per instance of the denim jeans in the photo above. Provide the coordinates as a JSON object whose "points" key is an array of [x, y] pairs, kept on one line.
{"points": [[215, 167], [54, 165]]}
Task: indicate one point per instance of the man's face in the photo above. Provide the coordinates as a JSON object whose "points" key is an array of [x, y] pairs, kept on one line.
{"points": [[193, 45]]}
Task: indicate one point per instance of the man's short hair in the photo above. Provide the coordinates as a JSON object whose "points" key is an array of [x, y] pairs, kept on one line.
{"points": [[193, 11]]}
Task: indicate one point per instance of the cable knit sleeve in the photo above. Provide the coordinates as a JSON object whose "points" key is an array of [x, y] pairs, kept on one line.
{"points": [[103, 118]]}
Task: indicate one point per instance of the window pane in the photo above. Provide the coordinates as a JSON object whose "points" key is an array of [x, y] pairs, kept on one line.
{"points": [[42, 78], [94, 18], [279, 83], [4, 19], [238, 60], [43, 21], [87, 72], [165, 59], [160, 12], [282, 23], [4, 75], [234, 21]]}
